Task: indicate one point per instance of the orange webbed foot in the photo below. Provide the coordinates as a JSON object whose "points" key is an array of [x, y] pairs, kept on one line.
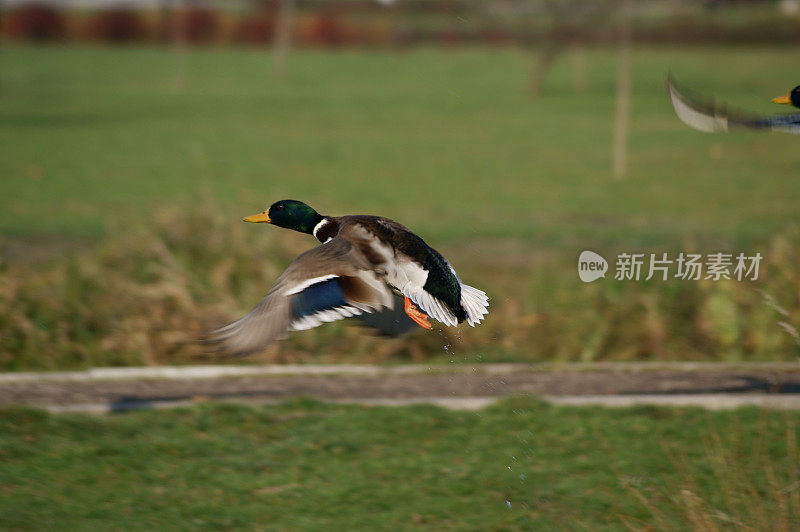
{"points": [[418, 316]]}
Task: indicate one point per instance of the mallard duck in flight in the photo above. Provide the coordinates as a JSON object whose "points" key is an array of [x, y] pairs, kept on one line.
{"points": [[711, 117], [364, 262]]}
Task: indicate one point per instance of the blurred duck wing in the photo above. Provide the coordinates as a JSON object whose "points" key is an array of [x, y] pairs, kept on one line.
{"points": [[328, 283], [711, 117]]}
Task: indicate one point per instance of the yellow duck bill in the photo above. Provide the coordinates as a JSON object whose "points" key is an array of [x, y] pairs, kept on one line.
{"points": [[260, 218], [782, 99]]}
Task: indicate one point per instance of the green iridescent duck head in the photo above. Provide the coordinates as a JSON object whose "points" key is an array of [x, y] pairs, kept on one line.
{"points": [[289, 214]]}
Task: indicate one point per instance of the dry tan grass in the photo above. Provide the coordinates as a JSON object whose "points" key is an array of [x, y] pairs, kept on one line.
{"points": [[150, 291]]}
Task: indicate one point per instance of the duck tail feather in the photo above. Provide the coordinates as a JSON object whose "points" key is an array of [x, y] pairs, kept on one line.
{"points": [[475, 302]]}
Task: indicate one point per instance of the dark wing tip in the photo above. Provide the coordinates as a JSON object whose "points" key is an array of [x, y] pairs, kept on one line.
{"points": [[392, 322]]}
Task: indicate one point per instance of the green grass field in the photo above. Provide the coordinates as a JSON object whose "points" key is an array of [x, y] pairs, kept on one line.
{"points": [[447, 141], [303, 465], [108, 145]]}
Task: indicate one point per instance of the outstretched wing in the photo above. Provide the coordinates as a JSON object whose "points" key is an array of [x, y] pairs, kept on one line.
{"points": [[711, 117], [330, 282]]}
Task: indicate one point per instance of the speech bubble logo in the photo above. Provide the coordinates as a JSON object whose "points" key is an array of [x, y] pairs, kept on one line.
{"points": [[591, 266]]}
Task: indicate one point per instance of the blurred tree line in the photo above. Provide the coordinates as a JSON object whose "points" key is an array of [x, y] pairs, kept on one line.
{"points": [[389, 23]]}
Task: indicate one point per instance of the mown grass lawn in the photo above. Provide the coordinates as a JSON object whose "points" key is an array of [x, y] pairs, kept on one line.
{"points": [[447, 141], [304, 465]]}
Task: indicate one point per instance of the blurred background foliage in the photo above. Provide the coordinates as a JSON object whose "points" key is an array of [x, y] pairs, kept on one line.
{"points": [[484, 126], [148, 294], [390, 23]]}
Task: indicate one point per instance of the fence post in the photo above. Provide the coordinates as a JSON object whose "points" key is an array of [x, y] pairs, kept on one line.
{"points": [[283, 37], [622, 115]]}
